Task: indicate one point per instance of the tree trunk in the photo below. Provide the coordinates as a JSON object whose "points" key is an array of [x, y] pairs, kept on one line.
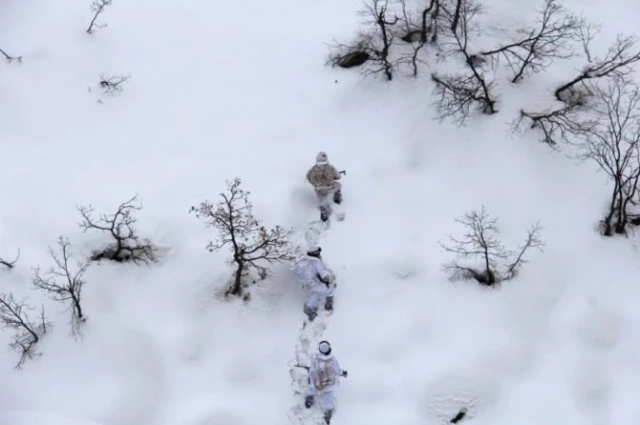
{"points": [[608, 231], [236, 289], [76, 304]]}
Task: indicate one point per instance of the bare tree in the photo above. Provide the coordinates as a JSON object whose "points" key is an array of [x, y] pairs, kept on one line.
{"points": [[14, 315], [614, 144], [113, 85], [481, 256], [554, 38], [566, 124], [10, 58], [63, 283], [126, 245], [10, 263], [426, 30], [457, 93], [371, 46], [618, 62], [251, 244], [98, 7], [430, 18], [411, 33]]}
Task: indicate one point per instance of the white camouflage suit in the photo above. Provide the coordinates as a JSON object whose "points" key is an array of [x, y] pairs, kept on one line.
{"points": [[323, 380], [308, 271], [325, 180]]}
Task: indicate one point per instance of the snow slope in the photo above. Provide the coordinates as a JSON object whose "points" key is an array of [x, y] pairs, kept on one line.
{"points": [[239, 89]]}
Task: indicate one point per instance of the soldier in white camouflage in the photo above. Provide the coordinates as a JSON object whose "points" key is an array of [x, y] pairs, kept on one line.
{"points": [[323, 380], [325, 180]]}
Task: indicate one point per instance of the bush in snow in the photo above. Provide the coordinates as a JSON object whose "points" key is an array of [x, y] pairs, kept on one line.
{"points": [[10, 58], [97, 6], [553, 38], [424, 29], [458, 93], [372, 45], [614, 144], [14, 316], [252, 245], [481, 256], [9, 263], [113, 85], [64, 283], [126, 245]]}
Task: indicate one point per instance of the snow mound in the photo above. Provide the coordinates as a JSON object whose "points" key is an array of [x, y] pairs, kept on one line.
{"points": [[41, 418], [471, 391], [600, 329], [592, 390]]}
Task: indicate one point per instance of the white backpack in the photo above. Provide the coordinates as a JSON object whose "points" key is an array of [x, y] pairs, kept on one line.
{"points": [[325, 377]]}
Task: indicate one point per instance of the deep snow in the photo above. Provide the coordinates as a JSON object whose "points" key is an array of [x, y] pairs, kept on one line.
{"points": [[239, 89]]}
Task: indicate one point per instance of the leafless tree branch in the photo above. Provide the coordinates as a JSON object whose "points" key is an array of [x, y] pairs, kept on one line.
{"points": [[614, 144], [480, 255], [14, 316], [63, 283], [618, 62], [127, 245], [252, 245], [98, 7], [371, 46], [559, 125], [554, 38], [456, 94], [10, 58], [113, 85], [8, 263]]}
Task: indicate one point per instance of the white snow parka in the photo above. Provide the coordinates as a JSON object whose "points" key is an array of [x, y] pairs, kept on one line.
{"points": [[324, 177], [324, 373], [310, 269]]}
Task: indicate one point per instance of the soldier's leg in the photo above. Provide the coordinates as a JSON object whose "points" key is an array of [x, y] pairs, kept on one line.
{"points": [[328, 405], [337, 193], [311, 305], [309, 399]]}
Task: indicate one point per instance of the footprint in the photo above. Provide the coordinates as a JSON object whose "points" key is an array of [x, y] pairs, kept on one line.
{"points": [[142, 379], [471, 392], [600, 329], [241, 372], [221, 418], [592, 391]]}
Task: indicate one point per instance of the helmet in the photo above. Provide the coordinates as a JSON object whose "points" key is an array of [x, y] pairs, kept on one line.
{"points": [[314, 249], [324, 347], [322, 157]]}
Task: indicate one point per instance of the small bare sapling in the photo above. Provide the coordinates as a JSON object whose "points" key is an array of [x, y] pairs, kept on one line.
{"points": [[63, 282], [113, 85], [10, 58], [565, 124], [480, 255], [126, 245], [97, 6], [554, 37], [10, 263], [456, 94], [27, 332], [252, 246], [371, 46], [614, 144]]}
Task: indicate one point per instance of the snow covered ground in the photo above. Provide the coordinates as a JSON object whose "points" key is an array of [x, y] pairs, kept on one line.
{"points": [[240, 89]]}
